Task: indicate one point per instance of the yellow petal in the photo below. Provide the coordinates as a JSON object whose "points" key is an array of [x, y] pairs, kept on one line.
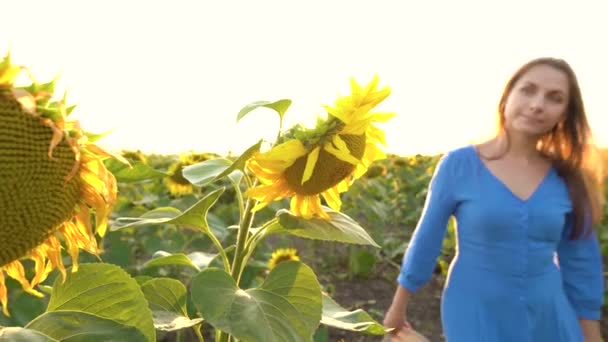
{"points": [[53, 252], [42, 267], [282, 155], [8, 75], [382, 116], [101, 152], [344, 185], [3, 295], [297, 205], [264, 175], [375, 134], [332, 197], [341, 152], [15, 270], [311, 162], [314, 204], [356, 127], [339, 112]]}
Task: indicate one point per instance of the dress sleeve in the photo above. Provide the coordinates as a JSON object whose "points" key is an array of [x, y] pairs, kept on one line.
{"points": [[580, 262], [425, 245]]}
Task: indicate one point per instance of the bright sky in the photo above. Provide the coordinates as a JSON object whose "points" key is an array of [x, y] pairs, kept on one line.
{"points": [[171, 76]]}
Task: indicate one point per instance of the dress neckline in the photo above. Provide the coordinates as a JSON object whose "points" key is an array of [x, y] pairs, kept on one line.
{"points": [[503, 184]]}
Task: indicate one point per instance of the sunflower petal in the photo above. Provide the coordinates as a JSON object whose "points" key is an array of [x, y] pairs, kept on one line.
{"points": [[315, 207], [382, 116], [282, 155], [16, 271], [3, 295], [332, 197], [375, 134], [53, 252], [103, 153], [341, 150], [8, 75], [311, 162]]}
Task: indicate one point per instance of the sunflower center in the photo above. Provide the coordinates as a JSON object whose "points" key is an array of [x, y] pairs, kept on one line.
{"points": [[328, 171], [177, 176], [34, 198]]}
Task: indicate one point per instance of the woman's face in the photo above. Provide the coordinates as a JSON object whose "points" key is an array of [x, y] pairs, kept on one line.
{"points": [[538, 101]]}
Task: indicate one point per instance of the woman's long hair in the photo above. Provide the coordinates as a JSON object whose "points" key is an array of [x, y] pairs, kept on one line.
{"points": [[571, 148]]}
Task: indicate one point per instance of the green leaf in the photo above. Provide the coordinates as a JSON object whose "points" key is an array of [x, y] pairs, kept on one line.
{"points": [[195, 216], [138, 171], [78, 326], [169, 321], [239, 163], [339, 227], [168, 259], [162, 213], [167, 300], [204, 173], [104, 291], [93, 137], [358, 320], [286, 307], [18, 334], [165, 294], [195, 260], [141, 279], [279, 106]]}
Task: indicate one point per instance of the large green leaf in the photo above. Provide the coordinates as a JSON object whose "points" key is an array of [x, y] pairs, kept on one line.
{"points": [[195, 260], [339, 227], [204, 173], [167, 300], [99, 294], [279, 106], [18, 334], [165, 294], [239, 163], [170, 321], [286, 307], [195, 216], [358, 320], [138, 171], [78, 326]]}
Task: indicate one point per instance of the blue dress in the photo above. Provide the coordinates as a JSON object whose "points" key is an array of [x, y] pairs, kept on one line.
{"points": [[516, 276]]}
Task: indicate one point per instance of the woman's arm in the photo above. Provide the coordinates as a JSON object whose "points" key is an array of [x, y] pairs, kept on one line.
{"points": [[396, 315], [591, 330]]}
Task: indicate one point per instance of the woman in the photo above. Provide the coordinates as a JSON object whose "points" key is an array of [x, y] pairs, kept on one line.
{"points": [[528, 265]]}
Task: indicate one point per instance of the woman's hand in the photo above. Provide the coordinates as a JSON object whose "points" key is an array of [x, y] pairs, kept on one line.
{"points": [[591, 330], [396, 318]]}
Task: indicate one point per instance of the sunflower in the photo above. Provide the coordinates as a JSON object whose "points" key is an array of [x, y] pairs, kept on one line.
{"points": [[282, 254], [53, 180], [324, 161], [136, 156], [176, 183]]}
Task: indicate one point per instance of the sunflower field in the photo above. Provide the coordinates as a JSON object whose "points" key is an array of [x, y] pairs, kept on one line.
{"points": [[269, 245]]}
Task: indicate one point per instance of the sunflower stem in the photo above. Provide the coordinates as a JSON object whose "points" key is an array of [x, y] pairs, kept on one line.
{"points": [[197, 331], [239, 196], [222, 337], [253, 241], [241, 243], [221, 250], [237, 262]]}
